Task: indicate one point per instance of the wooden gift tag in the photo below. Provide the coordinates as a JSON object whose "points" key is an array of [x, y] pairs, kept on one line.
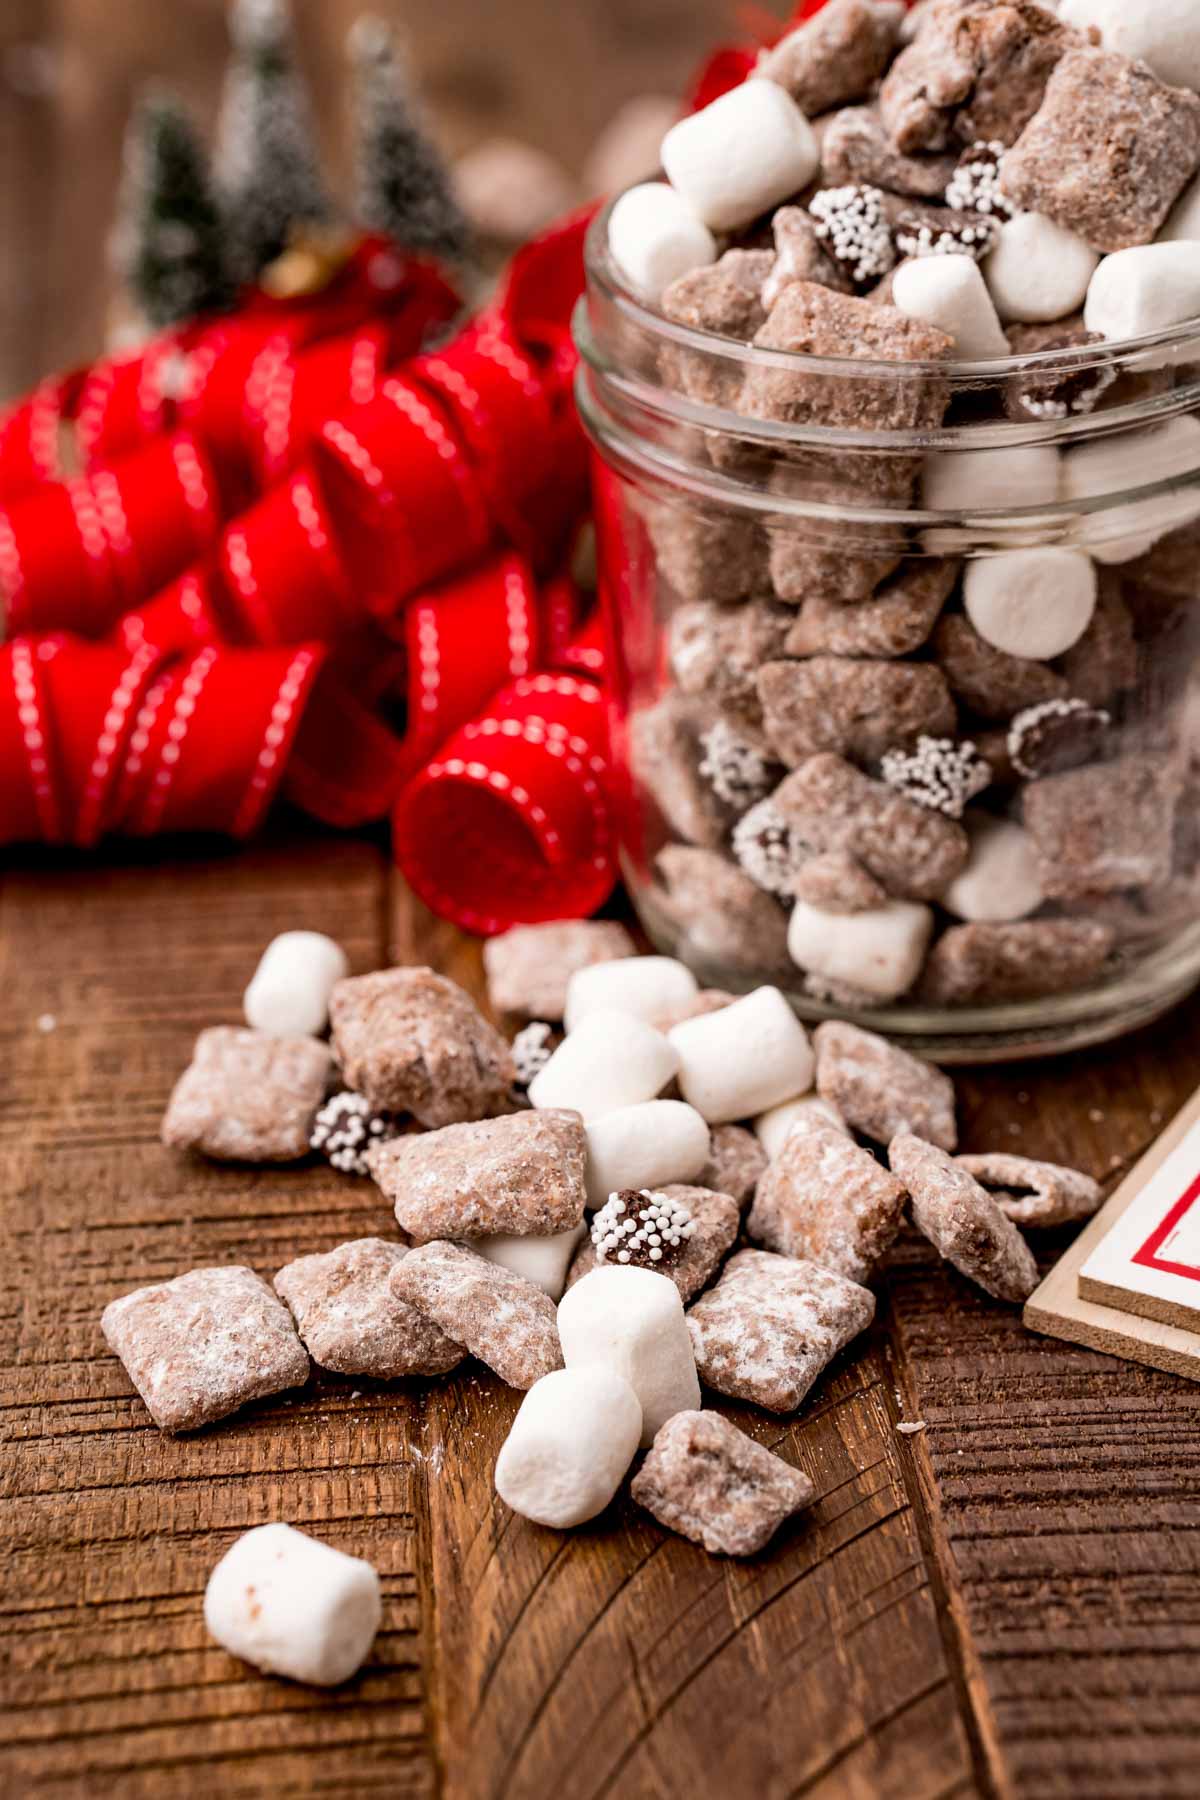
{"points": [[1126, 1285]]}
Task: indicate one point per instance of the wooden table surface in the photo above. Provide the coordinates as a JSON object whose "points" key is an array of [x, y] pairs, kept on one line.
{"points": [[1004, 1604]]}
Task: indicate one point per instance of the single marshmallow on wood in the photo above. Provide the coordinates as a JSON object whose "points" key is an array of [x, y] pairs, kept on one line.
{"points": [[575, 1434], [289, 991], [742, 155], [612, 1059], [646, 1146], [1038, 271], [1000, 882], [1032, 603], [542, 1260], [1183, 221], [879, 951], [1163, 33], [774, 1126], [293, 1606], [654, 237], [649, 987], [950, 292], [1148, 288], [630, 1321], [1113, 466], [748, 1056]]}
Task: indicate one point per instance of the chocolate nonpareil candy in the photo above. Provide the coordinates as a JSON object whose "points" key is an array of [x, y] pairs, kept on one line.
{"points": [[710, 1482], [715, 1216], [413, 1041], [522, 1174]]}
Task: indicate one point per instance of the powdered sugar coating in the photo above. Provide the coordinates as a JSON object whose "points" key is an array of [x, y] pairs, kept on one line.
{"points": [[990, 681], [962, 1221], [509, 1323], [200, 1346], [893, 622], [710, 1482], [880, 1089], [826, 1199], [1046, 1194], [771, 1326], [723, 916], [413, 1041], [1105, 827], [521, 1175], [351, 1322], [248, 1096]]}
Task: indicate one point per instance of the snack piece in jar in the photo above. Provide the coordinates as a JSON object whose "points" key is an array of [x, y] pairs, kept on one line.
{"points": [[716, 651], [993, 683], [1103, 664], [896, 620], [725, 298], [724, 917], [707, 555], [856, 708], [962, 1221], [856, 148], [1031, 959], [837, 882], [800, 256], [1104, 827], [836, 56], [710, 1482], [665, 754]]}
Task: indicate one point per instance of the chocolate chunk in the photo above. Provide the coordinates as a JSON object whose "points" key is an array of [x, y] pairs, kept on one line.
{"points": [[771, 1325], [854, 227], [896, 620], [836, 56], [1109, 152], [716, 1217], [522, 1175], [710, 1482], [200, 1346], [350, 1320], [509, 1323], [413, 1041], [1034, 1193], [962, 1221], [529, 967], [978, 964], [857, 709], [724, 917], [990, 681], [1104, 827], [943, 231], [880, 1089], [247, 1096]]}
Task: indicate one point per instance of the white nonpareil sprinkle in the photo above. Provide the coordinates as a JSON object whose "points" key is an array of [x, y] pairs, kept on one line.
{"points": [[641, 1227], [939, 774], [853, 226], [531, 1051], [344, 1130], [735, 769], [975, 184], [763, 844]]}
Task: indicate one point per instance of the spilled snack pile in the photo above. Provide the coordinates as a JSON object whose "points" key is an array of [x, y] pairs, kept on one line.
{"points": [[732, 1249]]}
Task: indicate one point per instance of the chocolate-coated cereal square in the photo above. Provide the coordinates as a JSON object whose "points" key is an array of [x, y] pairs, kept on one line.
{"points": [[509, 1323], [520, 1175], [826, 1199], [880, 1089], [710, 1482], [351, 1322], [414, 1041], [248, 1096], [528, 968], [962, 1221]]}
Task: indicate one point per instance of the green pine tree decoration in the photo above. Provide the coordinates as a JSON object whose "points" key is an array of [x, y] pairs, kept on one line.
{"points": [[268, 171], [168, 246], [404, 189]]}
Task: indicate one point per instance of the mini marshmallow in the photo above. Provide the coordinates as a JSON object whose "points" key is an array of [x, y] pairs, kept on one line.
{"points": [[1112, 466], [744, 154], [1183, 220], [611, 1060], [288, 995], [1163, 33], [1000, 882], [1038, 271], [542, 1260], [1031, 603], [879, 951], [743, 1059], [654, 237], [1148, 288], [649, 987], [630, 1321], [575, 1434], [293, 1606], [774, 1126], [973, 481], [646, 1146], [950, 292]]}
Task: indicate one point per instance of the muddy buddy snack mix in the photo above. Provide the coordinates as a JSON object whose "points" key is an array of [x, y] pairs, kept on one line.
{"points": [[248, 1096], [962, 1221], [826, 1200], [1033, 1193], [505, 1320], [351, 1322], [413, 1041], [522, 1174], [710, 1482], [529, 967]]}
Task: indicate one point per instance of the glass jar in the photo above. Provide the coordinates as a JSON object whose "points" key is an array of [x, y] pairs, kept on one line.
{"points": [[978, 841]]}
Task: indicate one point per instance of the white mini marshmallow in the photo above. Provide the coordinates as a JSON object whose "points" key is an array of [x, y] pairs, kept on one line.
{"points": [[575, 1434], [950, 292], [1038, 271], [968, 480], [748, 1056], [612, 1059], [654, 237], [289, 991], [293, 1606], [646, 1146], [879, 951], [1112, 466], [1163, 33], [774, 1127], [542, 1260], [1148, 288], [649, 987], [742, 155], [1000, 882], [631, 1322], [1183, 220], [1033, 603]]}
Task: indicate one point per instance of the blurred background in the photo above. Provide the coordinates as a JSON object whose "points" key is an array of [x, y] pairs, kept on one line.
{"points": [[548, 73]]}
